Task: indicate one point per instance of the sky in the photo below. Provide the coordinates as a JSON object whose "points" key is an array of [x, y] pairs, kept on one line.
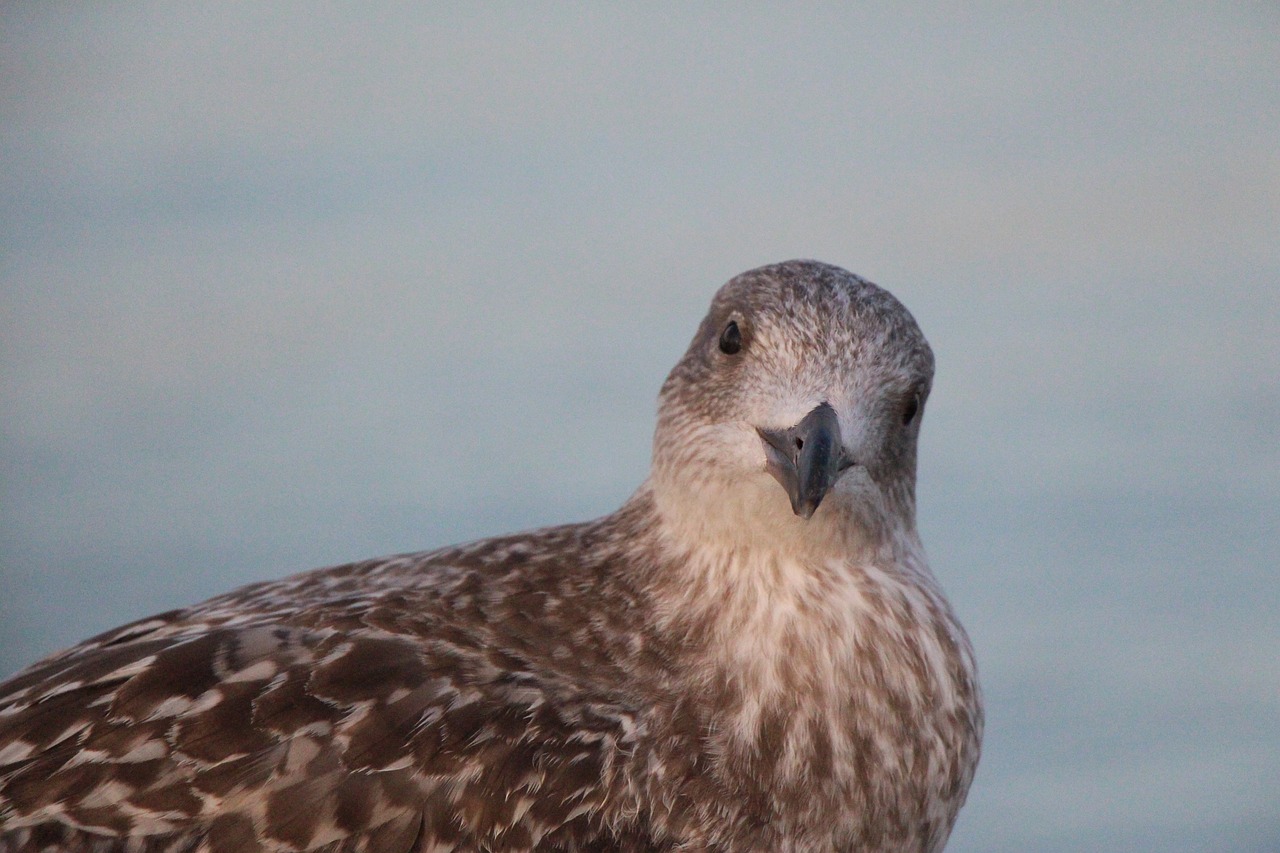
{"points": [[287, 286]]}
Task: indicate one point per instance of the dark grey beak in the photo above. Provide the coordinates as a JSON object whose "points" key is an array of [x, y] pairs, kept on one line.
{"points": [[807, 459]]}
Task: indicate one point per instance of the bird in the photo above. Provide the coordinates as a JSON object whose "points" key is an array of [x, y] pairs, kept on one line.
{"points": [[750, 654]]}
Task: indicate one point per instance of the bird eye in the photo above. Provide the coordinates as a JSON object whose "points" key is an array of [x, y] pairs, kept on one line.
{"points": [[730, 339], [911, 410]]}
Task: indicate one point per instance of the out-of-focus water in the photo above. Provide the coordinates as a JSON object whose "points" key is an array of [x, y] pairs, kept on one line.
{"points": [[282, 288]]}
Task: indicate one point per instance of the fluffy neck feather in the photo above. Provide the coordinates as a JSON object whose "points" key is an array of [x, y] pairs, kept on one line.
{"points": [[764, 589], [859, 521], [834, 658]]}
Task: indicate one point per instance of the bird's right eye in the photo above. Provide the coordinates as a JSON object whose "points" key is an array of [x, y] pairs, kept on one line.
{"points": [[731, 339], [911, 409]]}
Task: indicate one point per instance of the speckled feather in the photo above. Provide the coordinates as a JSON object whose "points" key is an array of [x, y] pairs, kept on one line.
{"points": [[701, 670]]}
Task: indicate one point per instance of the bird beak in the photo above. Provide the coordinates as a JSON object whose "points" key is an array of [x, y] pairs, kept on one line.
{"points": [[807, 459]]}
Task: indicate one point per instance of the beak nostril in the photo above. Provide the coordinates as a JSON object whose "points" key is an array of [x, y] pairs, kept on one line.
{"points": [[799, 444]]}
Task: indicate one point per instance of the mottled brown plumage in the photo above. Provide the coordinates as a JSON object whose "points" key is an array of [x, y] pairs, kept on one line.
{"points": [[705, 669]]}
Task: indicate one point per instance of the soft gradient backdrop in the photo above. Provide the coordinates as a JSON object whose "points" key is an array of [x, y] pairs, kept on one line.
{"points": [[285, 287]]}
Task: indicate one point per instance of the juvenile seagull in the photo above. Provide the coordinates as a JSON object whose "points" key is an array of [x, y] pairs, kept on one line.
{"points": [[750, 655]]}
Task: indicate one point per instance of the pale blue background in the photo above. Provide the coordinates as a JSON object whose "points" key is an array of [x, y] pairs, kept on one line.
{"points": [[282, 288]]}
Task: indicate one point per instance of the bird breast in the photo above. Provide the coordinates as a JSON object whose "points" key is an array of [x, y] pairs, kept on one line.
{"points": [[847, 675]]}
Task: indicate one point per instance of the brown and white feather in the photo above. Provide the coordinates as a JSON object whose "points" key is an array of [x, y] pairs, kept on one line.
{"points": [[701, 670]]}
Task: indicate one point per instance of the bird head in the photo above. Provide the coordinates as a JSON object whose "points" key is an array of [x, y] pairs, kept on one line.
{"points": [[795, 412]]}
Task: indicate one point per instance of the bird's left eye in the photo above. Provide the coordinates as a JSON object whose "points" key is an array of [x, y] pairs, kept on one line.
{"points": [[731, 339], [912, 408]]}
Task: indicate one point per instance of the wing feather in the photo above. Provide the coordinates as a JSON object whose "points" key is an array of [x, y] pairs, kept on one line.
{"points": [[286, 734]]}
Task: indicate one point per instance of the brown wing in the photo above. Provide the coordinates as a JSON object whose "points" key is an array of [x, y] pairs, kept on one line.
{"points": [[291, 737]]}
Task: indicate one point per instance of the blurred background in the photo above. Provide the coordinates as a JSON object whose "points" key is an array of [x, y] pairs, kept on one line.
{"points": [[286, 287]]}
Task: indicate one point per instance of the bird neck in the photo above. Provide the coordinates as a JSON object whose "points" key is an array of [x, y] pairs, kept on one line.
{"points": [[751, 523], [725, 572], [763, 627]]}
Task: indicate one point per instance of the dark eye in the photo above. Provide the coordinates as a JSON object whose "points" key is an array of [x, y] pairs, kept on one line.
{"points": [[911, 410], [730, 339]]}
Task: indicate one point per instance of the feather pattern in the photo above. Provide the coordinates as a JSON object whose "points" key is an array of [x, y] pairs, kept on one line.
{"points": [[701, 670]]}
